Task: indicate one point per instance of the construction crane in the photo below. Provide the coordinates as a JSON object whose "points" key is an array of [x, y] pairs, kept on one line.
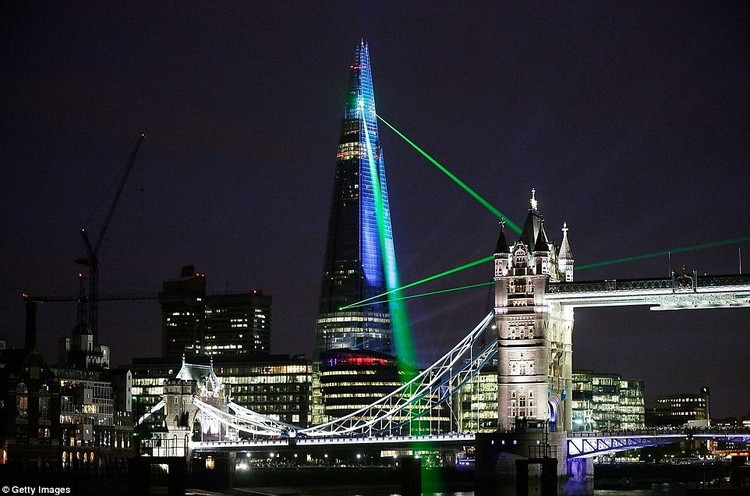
{"points": [[102, 297], [92, 251]]}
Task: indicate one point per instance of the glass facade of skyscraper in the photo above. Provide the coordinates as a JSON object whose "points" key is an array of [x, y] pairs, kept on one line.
{"points": [[360, 242]]}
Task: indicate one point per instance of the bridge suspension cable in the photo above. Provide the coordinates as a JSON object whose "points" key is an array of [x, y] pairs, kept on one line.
{"points": [[429, 389], [246, 420], [425, 391], [153, 410]]}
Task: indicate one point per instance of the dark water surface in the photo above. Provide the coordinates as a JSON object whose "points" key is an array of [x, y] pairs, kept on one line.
{"points": [[382, 491]]}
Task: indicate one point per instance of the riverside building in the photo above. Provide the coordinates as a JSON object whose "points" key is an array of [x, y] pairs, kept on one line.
{"points": [[607, 402]]}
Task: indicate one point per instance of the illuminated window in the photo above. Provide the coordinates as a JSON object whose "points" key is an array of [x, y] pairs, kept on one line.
{"points": [[22, 400]]}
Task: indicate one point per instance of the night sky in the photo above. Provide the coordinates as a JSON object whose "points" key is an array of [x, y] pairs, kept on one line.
{"points": [[630, 119]]}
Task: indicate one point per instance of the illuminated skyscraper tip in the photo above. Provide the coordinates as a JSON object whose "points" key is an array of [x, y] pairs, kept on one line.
{"points": [[360, 260]]}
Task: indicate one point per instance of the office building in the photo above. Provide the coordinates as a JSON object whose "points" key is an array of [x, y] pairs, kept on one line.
{"points": [[603, 402], [475, 405], [632, 404], [182, 310], [360, 261], [583, 401], [679, 410], [359, 249], [197, 323]]}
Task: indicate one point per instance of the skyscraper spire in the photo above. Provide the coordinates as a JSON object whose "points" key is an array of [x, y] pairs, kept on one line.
{"points": [[359, 247]]}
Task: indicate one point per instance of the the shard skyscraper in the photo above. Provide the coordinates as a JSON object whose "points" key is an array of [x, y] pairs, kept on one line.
{"points": [[360, 260]]}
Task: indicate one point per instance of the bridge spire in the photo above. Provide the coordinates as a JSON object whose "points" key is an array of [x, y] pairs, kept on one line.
{"points": [[533, 225], [502, 242], [565, 257]]}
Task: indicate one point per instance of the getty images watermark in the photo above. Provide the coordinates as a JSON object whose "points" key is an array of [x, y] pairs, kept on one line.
{"points": [[57, 491]]}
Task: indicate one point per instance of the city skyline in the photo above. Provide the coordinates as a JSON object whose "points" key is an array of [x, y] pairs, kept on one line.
{"points": [[629, 121]]}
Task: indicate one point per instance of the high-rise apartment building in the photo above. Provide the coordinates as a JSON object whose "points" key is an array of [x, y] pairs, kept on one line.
{"points": [[359, 248], [198, 323]]}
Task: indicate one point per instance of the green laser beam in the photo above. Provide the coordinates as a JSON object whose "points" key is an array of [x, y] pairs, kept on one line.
{"points": [[455, 179], [685, 249], [444, 273], [661, 253], [439, 291], [517, 230], [403, 340]]}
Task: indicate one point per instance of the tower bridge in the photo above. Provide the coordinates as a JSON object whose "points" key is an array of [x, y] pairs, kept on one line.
{"points": [[532, 323], [531, 326]]}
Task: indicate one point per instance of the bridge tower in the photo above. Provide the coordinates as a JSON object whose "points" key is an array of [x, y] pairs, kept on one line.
{"points": [[534, 335]]}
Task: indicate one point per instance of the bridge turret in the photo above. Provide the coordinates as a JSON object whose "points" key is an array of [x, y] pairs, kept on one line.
{"points": [[544, 253], [179, 411], [179, 416], [502, 253]]}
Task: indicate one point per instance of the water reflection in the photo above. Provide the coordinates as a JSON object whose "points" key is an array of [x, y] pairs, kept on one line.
{"points": [[660, 490]]}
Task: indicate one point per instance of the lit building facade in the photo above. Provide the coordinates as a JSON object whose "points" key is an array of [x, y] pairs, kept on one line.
{"points": [[60, 418], [96, 424], [583, 401], [360, 261], [236, 324], [475, 405], [604, 402], [371, 375], [632, 404], [182, 309], [198, 323], [678, 410]]}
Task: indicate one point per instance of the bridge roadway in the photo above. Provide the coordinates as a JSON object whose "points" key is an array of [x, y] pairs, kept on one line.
{"points": [[683, 291], [579, 444], [445, 441], [591, 444]]}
